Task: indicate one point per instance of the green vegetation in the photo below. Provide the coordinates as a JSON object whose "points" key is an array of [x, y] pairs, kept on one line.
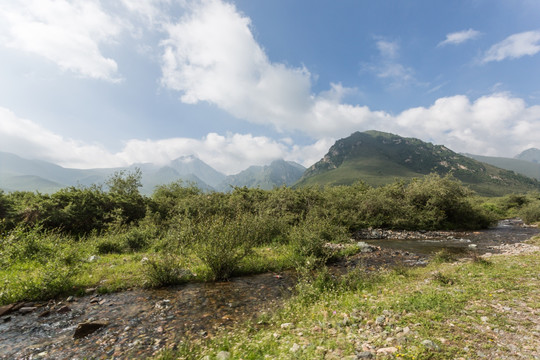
{"points": [[111, 237]]}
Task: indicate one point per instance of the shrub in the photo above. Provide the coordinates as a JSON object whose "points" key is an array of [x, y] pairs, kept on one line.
{"points": [[530, 213], [165, 271], [308, 239], [110, 244], [221, 243]]}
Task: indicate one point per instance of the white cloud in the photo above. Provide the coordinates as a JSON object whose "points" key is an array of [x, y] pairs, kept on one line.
{"points": [[459, 37], [28, 139], [68, 33], [228, 153], [514, 46], [388, 49]]}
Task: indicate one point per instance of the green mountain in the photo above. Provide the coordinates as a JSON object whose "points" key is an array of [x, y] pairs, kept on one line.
{"points": [[523, 167], [379, 158], [278, 173], [532, 155]]}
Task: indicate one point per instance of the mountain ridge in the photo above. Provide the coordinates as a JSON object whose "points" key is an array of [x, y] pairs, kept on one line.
{"points": [[378, 158]]}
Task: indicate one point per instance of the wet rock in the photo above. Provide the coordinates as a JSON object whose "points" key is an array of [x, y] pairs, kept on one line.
{"points": [[45, 314], [87, 328], [223, 355], [6, 309], [27, 309], [64, 309]]}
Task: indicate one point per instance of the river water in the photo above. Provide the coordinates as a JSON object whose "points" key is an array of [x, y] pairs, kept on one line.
{"points": [[142, 322]]}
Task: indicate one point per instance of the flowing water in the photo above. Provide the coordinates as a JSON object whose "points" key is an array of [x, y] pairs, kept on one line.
{"points": [[142, 322]]}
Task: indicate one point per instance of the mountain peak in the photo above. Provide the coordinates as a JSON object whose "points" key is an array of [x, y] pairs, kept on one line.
{"points": [[532, 155], [378, 158]]}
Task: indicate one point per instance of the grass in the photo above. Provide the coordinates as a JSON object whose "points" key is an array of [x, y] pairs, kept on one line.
{"points": [[445, 310]]}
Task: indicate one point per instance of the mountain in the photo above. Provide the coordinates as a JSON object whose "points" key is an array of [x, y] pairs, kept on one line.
{"points": [[19, 174], [278, 173], [379, 158], [532, 155], [523, 167], [191, 165]]}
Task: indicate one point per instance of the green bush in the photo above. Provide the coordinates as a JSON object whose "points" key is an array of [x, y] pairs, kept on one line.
{"points": [[165, 271], [530, 213], [309, 238], [110, 244], [222, 243]]}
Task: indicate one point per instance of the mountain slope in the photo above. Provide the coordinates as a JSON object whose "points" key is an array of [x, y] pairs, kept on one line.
{"points": [[379, 158], [278, 173], [532, 155], [522, 167]]}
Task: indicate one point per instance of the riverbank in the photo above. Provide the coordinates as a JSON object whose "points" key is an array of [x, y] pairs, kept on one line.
{"points": [[481, 308]]}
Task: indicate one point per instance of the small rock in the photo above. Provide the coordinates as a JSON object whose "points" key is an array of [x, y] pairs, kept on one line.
{"points": [[365, 355], [90, 291], [287, 325], [70, 299], [430, 345], [380, 320], [484, 318], [223, 355], [27, 309], [387, 350], [93, 258], [64, 309], [6, 309], [87, 328], [45, 314]]}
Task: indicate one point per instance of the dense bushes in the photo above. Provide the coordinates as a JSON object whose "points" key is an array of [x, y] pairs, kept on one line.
{"points": [[215, 234]]}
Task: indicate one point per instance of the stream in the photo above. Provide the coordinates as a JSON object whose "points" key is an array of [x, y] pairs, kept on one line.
{"points": [[140, 323]]}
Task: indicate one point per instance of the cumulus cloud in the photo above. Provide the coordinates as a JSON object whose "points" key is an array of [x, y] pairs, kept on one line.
{"points": [[68, 33], [514, 46], [459, 37]]}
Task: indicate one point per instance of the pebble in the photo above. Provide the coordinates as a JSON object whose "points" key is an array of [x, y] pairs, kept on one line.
{"points": [[27, 309], [287, 325], [365, 355], [430, 345], [387, 350]]}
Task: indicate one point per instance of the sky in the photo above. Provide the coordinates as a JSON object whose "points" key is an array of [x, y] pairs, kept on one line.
{"points": [[90, 83]]}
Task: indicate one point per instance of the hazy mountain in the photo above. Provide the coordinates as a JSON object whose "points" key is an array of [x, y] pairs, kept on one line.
{"points": [[17, 173], [191, 165], [532, 155], [523, 167], [379, 158], [278, 173]]}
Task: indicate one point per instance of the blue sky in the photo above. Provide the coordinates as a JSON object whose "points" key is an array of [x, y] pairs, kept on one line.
{"points": [[237, 83]]}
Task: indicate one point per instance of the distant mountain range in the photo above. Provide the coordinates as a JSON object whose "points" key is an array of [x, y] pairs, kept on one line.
{"points": [[374, 157], [379, 158], [18, 174]]}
